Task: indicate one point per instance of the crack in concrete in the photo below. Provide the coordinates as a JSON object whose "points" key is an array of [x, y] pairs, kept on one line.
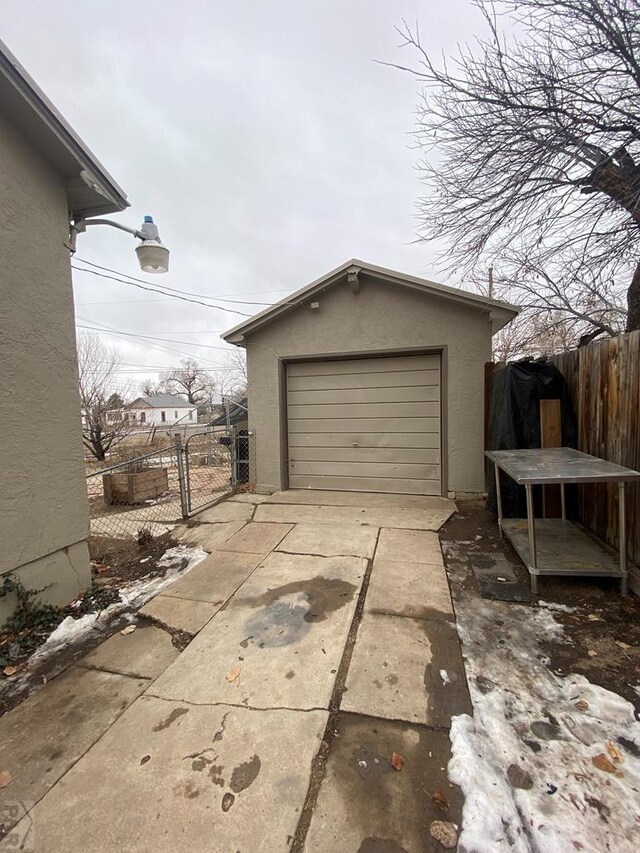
{"points": [[322, 556], [319, 763], [232, 705], [115, 672], [180, 638]]}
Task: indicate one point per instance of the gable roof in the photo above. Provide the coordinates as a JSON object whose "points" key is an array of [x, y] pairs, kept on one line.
{"points": [[90, 188], [500, 312], [165, 401], [237, 412]]}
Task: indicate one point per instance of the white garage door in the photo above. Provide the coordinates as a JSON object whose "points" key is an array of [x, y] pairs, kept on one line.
{"points": [[368, 424]]}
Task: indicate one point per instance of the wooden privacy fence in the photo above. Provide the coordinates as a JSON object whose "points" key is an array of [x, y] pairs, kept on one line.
{"points": [[604, 385]]}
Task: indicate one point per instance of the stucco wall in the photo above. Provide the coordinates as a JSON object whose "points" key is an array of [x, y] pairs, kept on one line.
{"points": [[43, 502], [382, 318]]}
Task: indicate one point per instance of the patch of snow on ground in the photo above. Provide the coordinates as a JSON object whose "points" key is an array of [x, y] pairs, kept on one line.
{"points": [[444, 675], [559, 608], [543, 731], [133, 596]]}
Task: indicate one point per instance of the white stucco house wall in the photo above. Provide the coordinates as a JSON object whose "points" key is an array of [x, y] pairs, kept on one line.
{"points": [[162, 410], [48, 177]]}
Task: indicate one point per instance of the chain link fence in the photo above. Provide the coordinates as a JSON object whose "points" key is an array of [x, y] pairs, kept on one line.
{"points": [[150, 493]]}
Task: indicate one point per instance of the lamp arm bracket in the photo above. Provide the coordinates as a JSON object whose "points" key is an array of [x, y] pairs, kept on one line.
{"points": [[80, 227]]}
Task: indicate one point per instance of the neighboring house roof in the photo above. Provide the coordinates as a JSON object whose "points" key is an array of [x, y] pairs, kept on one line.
{"points": [[237, 413], [90, 188], [500, 312], [163, 401]]}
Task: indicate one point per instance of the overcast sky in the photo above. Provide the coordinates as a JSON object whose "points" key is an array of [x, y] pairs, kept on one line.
{"points": [[262, 136]]}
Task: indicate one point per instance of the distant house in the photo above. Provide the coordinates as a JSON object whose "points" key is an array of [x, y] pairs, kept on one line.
{"points": [[161, 410], [238, 415]]}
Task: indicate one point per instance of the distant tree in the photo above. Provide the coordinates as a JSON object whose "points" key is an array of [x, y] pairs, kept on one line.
{"points": [[196, 383], [97, 377], [115, 401], [531, 141], [232, 378], [150, 388]]}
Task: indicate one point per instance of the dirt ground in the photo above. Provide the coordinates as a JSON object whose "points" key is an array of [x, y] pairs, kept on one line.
{"points": [[603, 628]]}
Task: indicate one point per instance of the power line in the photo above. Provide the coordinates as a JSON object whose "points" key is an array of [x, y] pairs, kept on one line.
{"points": [[152, 337], [155, 290], [166, 287]]}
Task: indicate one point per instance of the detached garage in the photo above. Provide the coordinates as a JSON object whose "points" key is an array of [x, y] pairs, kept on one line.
{"points": [[370, 380]]}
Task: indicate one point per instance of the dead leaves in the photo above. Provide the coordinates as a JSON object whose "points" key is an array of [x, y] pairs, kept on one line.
{"points": [[231, 676], [603, 763], [9, 671], [396, 761], [445, 833], [5, 778], [128, 630], [440, 800], [613, 751], [581, 705]]}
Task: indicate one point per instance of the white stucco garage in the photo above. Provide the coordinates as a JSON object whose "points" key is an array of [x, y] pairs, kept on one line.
{"points": [[370, 380]]}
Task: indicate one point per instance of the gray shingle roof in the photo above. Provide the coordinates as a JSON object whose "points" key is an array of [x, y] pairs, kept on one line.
{"points": [[165, 401]]}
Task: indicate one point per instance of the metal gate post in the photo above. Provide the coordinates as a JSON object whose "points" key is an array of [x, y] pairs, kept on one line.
{"points": [[182, 479], [234, 459]]}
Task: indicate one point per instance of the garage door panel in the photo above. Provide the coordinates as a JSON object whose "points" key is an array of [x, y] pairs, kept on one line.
{"points": [[390, 379], [402, 470], [363, 439], [404, 394], [364, 410], [367, 484], [365, 365], [365, 425], [370, 424], [415, 455]]}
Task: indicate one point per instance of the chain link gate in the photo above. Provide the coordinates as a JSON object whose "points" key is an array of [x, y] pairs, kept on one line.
{"points": [[205, 462]]}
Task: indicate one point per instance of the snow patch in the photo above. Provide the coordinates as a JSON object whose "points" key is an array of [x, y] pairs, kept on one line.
{"points": [[549, 729], [444, 675], [133, 596]]}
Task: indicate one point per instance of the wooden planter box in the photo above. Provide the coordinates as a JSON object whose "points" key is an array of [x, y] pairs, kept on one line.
{"points": [[135, 488]]}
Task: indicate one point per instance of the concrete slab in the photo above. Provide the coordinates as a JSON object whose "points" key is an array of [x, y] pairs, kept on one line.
{"points": [[413, 546], [407, 669], [331, 540], [249, 498], [208, 536], [365, 805], [215, 578], [45, 735], [226, 511], [417, 590], [416, 519], [257, 538], [180, 613], [144, 653], [279, 641], [171, 777], [321, 497]]}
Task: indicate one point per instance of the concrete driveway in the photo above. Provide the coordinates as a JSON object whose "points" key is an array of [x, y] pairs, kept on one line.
{"points": [[324, 643]]}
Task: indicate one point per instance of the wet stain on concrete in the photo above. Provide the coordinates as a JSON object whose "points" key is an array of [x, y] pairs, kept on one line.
{"points": [[452, 697], [244, 643], [380, 845], [215, 774], [290, 674], [144, 759], [245, 774], [187, 790], [173, 716], [391, 679], [324, 596], [288, 611], [220, 733], [227, 801], [369, 763]]}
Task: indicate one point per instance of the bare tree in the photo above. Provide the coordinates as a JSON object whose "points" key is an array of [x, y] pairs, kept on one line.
{"points": [[232, 378], [150, 388], [196, 383], [100, 392], [532, 144]]}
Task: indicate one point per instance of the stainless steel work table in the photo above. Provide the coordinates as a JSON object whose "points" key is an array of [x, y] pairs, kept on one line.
{"points": [[556, 546]]}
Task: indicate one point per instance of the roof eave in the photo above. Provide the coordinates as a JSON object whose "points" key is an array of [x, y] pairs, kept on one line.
{"points": [[500, 312], [100, 193]]}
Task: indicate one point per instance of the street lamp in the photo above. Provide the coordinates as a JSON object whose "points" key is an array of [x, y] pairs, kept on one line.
{"points": [[153, 257]]}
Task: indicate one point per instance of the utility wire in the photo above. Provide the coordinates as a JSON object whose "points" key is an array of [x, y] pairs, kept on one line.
{"points": [[166, 287], [164, 293]]}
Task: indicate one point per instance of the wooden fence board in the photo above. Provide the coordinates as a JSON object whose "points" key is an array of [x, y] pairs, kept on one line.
{"points": [[604, 385]]}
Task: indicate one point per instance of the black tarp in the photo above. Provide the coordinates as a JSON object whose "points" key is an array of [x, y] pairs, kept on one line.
{"points": [[514, 420]]}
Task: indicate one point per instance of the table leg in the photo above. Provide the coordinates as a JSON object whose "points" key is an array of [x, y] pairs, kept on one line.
{"points": [[622, 515], [531, 524], [563, 501], [498, 497]]}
